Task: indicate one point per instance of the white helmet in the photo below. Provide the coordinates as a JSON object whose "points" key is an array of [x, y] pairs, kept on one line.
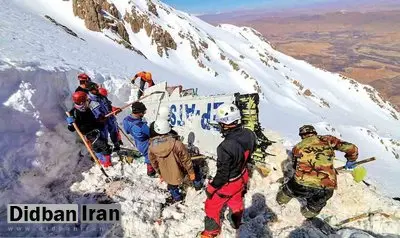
{"points": [[227, 114], [164, 113], [162, 126]]}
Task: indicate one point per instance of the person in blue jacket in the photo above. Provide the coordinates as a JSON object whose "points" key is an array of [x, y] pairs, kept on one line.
{"points": [[100, 106], [135, 126]]}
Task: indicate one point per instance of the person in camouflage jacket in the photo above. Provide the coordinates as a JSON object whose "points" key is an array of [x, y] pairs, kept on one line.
{"points": [[315, 177]]}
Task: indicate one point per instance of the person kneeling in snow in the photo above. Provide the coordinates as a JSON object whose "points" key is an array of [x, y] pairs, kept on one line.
{"points": [[315, 177], [89, 126], [100, 107], [138, 129], [229, 184], [170, 158]]}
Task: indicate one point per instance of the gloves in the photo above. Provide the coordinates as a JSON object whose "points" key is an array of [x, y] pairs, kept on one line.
{"points": [[70, 120], [350, 165], [116, 110], [192, 177], [133, 81], [210, 190]]}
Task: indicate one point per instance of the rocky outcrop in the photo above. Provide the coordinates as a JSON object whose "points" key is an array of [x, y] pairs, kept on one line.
{"points": [[160, 37], [99, 15], [66, 29], [152, 7]]}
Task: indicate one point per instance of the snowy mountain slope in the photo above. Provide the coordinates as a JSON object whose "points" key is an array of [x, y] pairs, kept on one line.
{"points": [[140, 198], [294, 92], [40, 160]]}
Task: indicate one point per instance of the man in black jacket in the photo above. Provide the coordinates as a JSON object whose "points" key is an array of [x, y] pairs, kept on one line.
{"points": [[232, 176], [89, 126]]}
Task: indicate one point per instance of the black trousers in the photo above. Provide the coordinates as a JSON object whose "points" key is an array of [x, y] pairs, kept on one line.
{"points": [[316, 197], [141, 88]]}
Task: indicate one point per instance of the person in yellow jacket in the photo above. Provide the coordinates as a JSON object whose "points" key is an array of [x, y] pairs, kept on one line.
{"points": [[145, 77], [170, 158]]}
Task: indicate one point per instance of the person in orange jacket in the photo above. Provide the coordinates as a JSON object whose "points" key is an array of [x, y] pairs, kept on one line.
{"points": [[145, 77]]}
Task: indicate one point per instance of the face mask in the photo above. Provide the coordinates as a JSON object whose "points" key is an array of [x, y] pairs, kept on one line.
{"points": [[81, 107]]}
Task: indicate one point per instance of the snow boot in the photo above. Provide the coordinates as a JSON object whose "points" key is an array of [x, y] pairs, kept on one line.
{"points": [[235, 219], [151, 172], [207, 234]]}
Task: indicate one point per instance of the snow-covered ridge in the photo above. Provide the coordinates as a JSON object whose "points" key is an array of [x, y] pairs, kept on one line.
{"points": [[39, 61], [293, 91]]}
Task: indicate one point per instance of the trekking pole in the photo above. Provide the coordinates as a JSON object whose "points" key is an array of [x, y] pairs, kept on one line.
{"points": [[359, 162], [127, 137], [88, 147], [129, 104]]}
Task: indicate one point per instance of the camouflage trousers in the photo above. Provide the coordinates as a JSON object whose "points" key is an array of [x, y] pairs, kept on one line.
{"points": [[316, 198]]}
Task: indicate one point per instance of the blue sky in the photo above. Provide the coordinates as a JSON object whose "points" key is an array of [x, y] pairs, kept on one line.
{"points": [[213, 6]]}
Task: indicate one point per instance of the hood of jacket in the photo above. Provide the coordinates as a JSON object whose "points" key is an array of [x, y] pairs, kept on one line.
{"points": [[162, 146]]}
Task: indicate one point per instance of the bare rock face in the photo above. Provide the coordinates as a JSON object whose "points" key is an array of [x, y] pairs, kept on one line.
{"points": [[152, 7], [160, 37], [88, 11], [99, 15]]}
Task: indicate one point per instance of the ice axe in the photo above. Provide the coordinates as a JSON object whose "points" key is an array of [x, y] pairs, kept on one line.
{"points": [[108, 179], [358, 173]]}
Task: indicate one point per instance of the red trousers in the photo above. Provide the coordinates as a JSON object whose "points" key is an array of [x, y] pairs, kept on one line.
{"points": [[230, 195]]}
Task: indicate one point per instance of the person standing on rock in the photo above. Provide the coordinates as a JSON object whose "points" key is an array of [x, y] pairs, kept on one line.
{"points": [[315, 177], [229, 184], [145, 77]]}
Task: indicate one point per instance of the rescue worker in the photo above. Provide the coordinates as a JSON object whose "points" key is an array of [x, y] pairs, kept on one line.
{"points": [[103, 92], [170, 158], [315, 177], [229, 183], [135, 126], [163, 114], [145, 77], [89, 126], [101, 106], [84, 80]]}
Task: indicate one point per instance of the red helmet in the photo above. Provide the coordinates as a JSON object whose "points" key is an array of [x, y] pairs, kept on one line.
{"points": [[103, 92], [83, 76], [79, 97]]}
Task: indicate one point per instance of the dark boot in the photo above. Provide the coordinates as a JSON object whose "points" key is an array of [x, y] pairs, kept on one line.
{"points": [[175, 193], [236, 219]]}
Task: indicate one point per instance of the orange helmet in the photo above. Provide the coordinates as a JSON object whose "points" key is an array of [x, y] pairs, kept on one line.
{"points": [[103, 92]]}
